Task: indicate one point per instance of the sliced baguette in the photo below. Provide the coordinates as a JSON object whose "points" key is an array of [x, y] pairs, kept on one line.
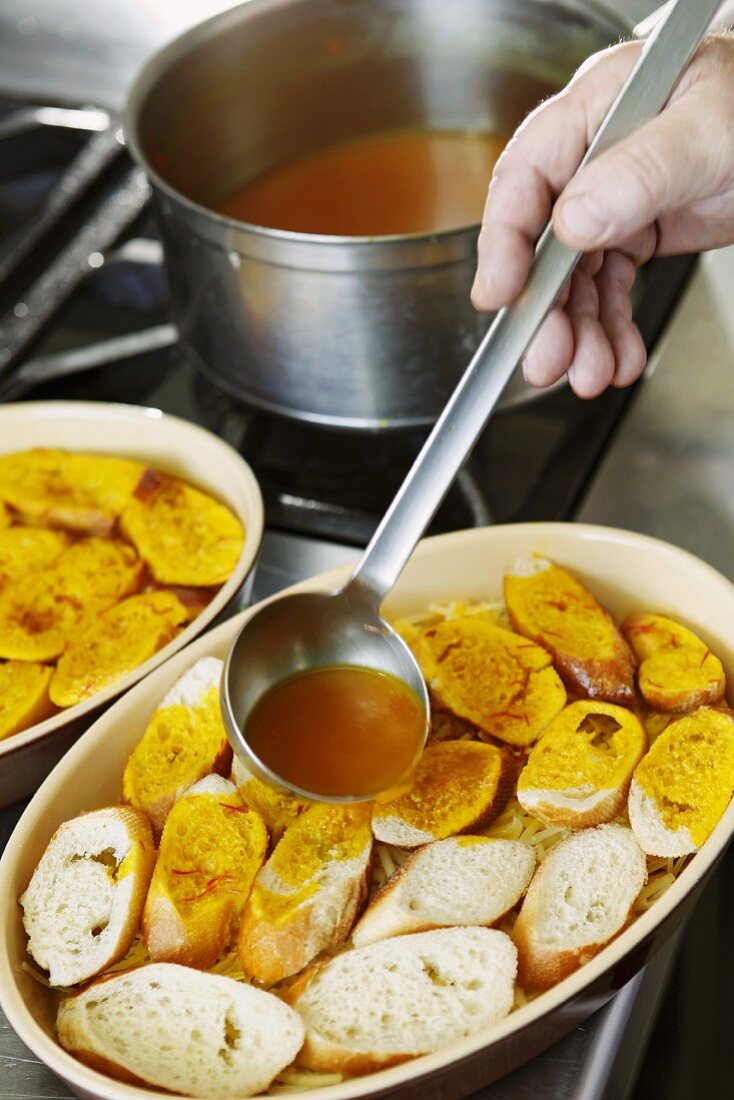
{"points": [[552, 608], [82, 907], [211, 849], [677, 672], [278, 809], [185, 741], [580, 898], [466, 880], [309, 893], [579, 772], [170, 1027], [499, 681], [458, 786], [380, 1005], [682, 786]]}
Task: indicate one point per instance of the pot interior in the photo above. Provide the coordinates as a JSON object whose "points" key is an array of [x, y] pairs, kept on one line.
{"points": [[274, 79]]}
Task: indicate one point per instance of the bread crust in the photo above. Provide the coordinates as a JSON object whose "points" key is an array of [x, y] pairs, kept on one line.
{"points": [[541, 965], [271, 952]]}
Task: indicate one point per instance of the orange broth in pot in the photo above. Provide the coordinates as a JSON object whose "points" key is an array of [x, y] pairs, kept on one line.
{"points": [[413, 181]]}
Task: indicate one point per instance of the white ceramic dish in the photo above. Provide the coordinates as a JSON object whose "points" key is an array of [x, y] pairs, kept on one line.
{"points": [[173, 445], [625, 571]]}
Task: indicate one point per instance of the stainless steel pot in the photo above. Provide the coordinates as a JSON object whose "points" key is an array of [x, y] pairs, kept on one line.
{"points": [[360, 333]]}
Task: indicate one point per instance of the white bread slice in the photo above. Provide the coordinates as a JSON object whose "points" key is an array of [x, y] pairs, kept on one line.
{"points": [[580, 898], [82, 907], [309, 893], [465, 880], [178, 1029], [383, 1004]]}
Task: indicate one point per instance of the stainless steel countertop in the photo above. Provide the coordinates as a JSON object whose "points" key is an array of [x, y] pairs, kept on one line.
{"points": [[670, 471]]}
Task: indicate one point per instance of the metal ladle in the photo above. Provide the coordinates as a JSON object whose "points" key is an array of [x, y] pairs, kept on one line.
{"points": [[305, 631]]}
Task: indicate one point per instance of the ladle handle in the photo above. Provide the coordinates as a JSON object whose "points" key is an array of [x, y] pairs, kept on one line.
{"points": [[662, 61]]}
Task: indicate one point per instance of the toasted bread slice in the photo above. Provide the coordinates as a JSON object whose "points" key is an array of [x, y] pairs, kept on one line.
{"points": [[185, 536], [501, 682], [678, 672], [185, 741], [682, 786], [211, 849], [458, 786], [548, 605], [309, 893], [79, 491], [23, 696], [40, 611], [380, 1005], [169, 1027], [464, 880], [580, 898], [109, 646], [579, 773], [278, 809], [82, 907], [25, 550]]}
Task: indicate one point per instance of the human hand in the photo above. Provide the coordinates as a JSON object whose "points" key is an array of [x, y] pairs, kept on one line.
{"points": [[669, 188]]}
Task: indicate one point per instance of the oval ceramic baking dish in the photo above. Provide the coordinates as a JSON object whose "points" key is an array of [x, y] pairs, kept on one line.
{"points": [[171, 445], [625, 572]]}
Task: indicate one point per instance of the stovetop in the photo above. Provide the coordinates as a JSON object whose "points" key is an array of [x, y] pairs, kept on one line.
{"points": [[532, 463]]}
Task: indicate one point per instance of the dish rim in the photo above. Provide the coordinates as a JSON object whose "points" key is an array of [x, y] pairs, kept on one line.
{"points": [[91, 1083], [78, 412]]}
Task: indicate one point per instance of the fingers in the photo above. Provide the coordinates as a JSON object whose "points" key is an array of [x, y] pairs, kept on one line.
{"points": [[675, 161], [533, 170], [593, 338]]}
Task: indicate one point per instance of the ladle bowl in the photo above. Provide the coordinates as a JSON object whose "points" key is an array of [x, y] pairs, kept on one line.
{"points": [[303, 632]]}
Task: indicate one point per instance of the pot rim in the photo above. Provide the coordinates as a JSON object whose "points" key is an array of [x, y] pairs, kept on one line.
{"points": [[162, 61]]}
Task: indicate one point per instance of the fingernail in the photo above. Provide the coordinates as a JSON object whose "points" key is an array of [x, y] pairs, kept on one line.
{"points": [[582, 220]]}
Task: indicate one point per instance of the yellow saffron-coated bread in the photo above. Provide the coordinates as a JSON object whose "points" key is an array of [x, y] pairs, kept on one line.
{"points": [[548, 605], [211, 849], [185, 536], [502, 683], [40, 611], [458, 786], [109, 646], [185, 741], [23, 696], [579, 772], [25, 550], [278, 809], [682, 786], [677, 672], [309, 893], [82, 492]]}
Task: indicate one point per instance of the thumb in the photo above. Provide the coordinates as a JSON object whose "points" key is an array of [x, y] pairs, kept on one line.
{"points": [[657, 169]]}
